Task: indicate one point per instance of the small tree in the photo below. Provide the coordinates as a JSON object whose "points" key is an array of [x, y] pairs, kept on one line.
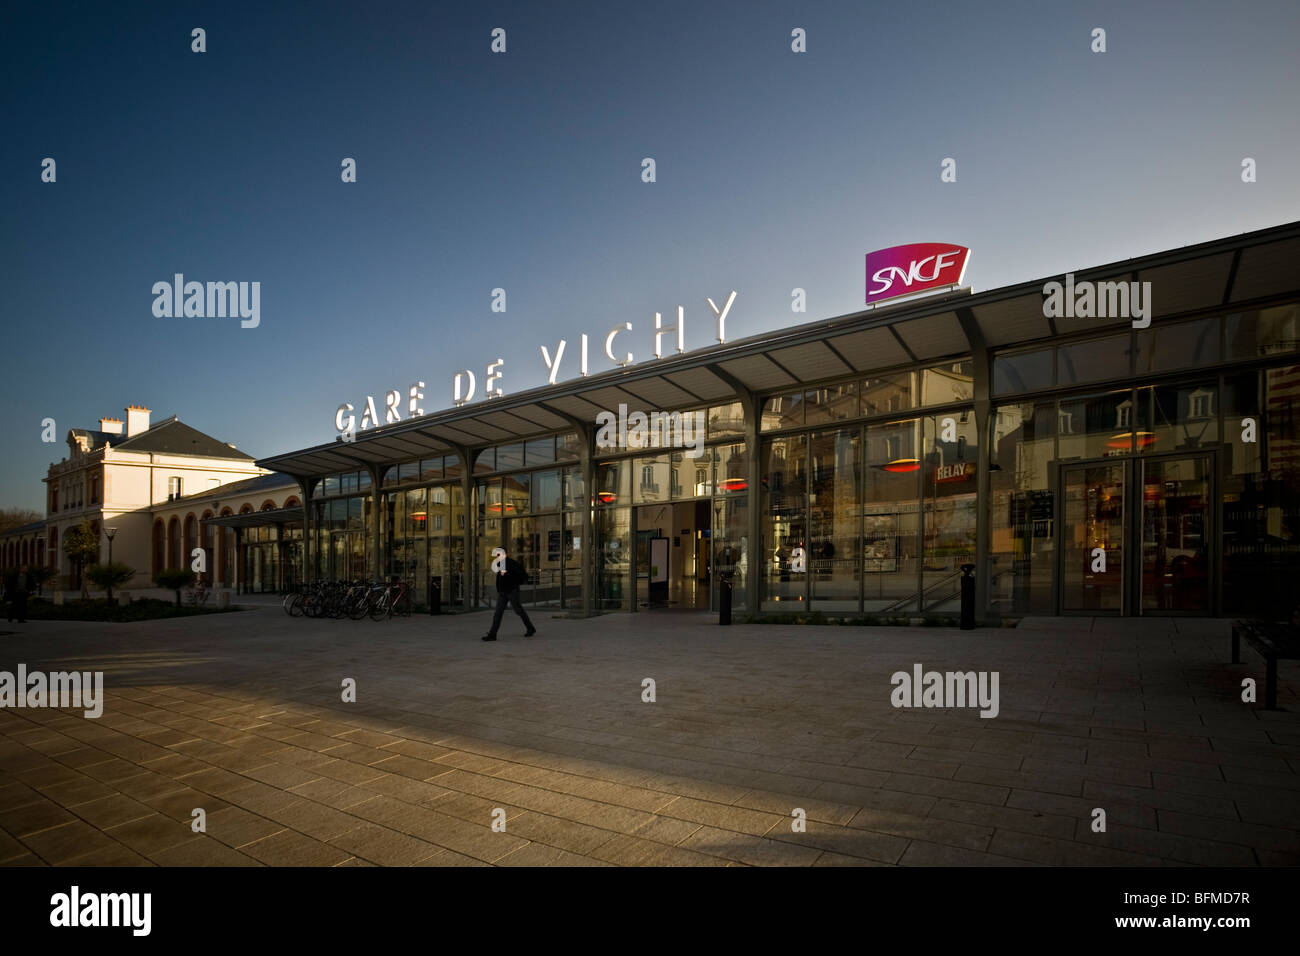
{"points": [[81, 545], [42, 574], [174, 579], [109, 576]]}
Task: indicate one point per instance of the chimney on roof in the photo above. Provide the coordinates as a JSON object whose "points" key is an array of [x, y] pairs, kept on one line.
{"points": [[137, 420], [111, 426]]}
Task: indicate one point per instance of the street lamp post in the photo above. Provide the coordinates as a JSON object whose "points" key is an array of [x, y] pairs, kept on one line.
{"points": [[110, 532]]}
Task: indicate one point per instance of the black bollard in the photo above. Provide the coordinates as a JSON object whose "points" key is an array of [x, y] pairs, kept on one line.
{"points": [[724, 600], [435, 594], [967, 597]]}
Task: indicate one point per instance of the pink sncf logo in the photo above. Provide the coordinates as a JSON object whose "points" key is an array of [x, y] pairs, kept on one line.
{"points": [[918, 267]]}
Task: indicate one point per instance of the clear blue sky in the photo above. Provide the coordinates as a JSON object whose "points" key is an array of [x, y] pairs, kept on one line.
{"points": [[522, 171]]}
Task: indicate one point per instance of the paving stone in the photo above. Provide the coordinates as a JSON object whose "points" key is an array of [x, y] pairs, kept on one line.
{"points": [[287, 848], [971, 837], [114, 855], [745, 848], [847, 841], [567, 835], [1027, 846], [201, 850], [838, 859], [1166, 845], [147, 835], [625, 850], [34, 816], [752, 722], [538, 854], [235, 827], [1008, 818], [921, 853], [385, 847], [111, 810]]}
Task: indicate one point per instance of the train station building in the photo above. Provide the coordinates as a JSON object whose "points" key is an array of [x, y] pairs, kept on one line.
{"points": [[1081, 462]]}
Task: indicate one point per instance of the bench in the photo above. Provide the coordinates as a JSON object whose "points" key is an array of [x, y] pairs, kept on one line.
{"points": [[1275, 642]]}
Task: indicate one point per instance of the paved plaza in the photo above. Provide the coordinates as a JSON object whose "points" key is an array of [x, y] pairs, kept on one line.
{"points": [[241, 715]]}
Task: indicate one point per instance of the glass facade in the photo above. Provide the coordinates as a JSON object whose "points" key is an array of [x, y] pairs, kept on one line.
{"points": [[1127, 472], [1178, 495]]}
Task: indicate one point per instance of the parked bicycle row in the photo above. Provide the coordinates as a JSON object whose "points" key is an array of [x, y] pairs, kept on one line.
{"points": [[379, 600]]}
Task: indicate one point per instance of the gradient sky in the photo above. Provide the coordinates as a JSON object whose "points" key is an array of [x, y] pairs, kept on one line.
{"points": [[522, 170]]}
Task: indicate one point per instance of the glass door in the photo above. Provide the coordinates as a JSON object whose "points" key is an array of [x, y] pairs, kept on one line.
{"points": [[1092, 529], [1177, 515]]}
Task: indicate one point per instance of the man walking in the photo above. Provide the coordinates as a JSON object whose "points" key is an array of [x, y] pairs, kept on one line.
{"points": [[510, 578]]}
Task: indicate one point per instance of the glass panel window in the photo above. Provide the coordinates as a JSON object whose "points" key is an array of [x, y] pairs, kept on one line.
{"points": [[510, 456], [485, 460], [612, 564], [363, 480], [732, 468], [1242, 423], [1098, 426], [568, 445], [726, 421], [431, 469], [834, 403], [574, 497], [949, 507], [785, 523], [891, 491], [1022, 508], [614, 482], [782, 411], [951, 382], [652, 479], [1261, 508], [451, 466], [539, 451], [1094, 360], [1182, 345], [1177, 417], [886, 394], [834, 519], [489, 499], [416, 513], [730, 538], [546, 491], [1024, 371], [515, 494], [1263, 332]]}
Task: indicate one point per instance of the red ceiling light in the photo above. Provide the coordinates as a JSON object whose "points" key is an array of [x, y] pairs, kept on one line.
{"points": [[733, 484], [899, 465], [606, 497], [1144, 440]]}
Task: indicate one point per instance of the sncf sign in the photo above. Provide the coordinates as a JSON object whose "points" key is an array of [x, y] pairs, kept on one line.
{"points": [[903, 270]]}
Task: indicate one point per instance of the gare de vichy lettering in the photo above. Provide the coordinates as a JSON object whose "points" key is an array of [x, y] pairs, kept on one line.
{"points": [[463, 383]]}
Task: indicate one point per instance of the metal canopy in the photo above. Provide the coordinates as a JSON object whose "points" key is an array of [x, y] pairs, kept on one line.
{"points": [[1209, 275], [256, 519]]}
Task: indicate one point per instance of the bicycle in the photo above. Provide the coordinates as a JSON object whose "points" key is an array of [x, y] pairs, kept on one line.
{"points": [[389, 603]]}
